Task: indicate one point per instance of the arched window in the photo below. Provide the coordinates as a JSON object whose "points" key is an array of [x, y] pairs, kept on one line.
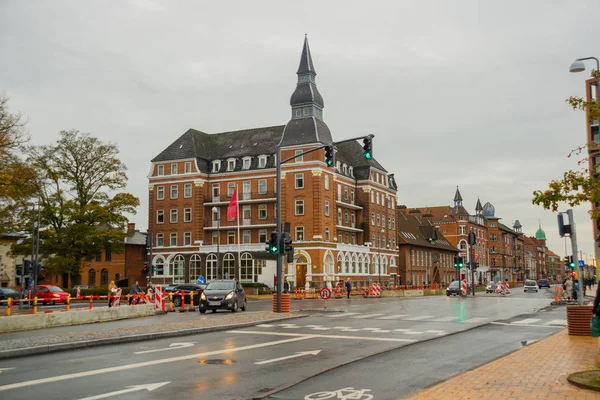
{"points": [[384, 266], [211, 267], [104, 277], [347, 264], [375, 265], [354, 264], [228, 266], [159, 267], [247, 272], [367, 265], [91, 277], [329, 265], [177, 266], [340, 260], [195, 267]]}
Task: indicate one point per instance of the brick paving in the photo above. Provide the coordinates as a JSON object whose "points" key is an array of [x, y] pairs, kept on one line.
{"points": [[538, 371], [91, 335]]}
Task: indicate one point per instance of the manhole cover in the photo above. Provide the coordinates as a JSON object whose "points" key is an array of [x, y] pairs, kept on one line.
{"points": [[219, 361]]}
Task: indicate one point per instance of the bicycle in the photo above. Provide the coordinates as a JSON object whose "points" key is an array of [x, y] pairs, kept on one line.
{"points": [[348, 393]]}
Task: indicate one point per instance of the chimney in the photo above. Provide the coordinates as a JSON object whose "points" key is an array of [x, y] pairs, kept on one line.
{"points": [[130, 228], [402, 209]]}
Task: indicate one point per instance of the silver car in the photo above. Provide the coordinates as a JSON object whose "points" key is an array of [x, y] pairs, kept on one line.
{"points": [[530, 286]]}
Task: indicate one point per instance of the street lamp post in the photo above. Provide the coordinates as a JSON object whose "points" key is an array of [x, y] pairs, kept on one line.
{"points": [[379, 256], [215, 210], [579, 66]]}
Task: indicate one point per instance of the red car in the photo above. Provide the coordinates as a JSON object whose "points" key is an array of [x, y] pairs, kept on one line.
{"points": [[50, 294]]}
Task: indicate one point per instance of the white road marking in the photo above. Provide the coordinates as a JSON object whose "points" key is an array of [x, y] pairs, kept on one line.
{"points": [[413, 333], [434, 331], [526, 321], [445, 319], [350, 330], [539, 326], [367, 316], [310, 336], [342, 315], [562, 322], [474, 320], [395, 316], [299, 354], [265, 326], [172, 346], [149, 387], [288, 326], [418, 318], [5, 369], [150, 363], [401, 330]]}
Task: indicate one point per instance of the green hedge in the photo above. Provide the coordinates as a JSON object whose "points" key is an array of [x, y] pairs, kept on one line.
{"points": [[97, 291], [262, 288]]}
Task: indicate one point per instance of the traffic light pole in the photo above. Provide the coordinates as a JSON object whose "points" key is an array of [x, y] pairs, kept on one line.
{"points": [[575, 260]]}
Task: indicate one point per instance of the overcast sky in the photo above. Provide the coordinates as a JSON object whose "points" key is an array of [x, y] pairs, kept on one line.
{"points": [[467, 93]]}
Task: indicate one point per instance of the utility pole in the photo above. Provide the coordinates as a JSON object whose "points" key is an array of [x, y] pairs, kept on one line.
{"points": [[575, 260], [472, 242]]}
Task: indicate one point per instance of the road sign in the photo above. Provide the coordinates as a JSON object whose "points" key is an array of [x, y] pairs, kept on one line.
{"points": [[200, 280], [581, 263], [325, 293]]}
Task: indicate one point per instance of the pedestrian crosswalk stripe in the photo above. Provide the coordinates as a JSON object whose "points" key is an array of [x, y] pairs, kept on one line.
{"points": [[342, 314], [418, 318], [445, 319], [367, 315], [557, 322], [394, 316], [475, 320], [526, 321]]}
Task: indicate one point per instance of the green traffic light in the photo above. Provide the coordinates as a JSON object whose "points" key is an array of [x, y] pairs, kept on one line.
{"points": [[367, 155], [274, 250], [329, 162]]}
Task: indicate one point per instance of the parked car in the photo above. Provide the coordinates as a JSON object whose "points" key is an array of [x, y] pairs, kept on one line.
{"points": [[530, 286], [8, 293], [223, 294], [491, 287], [453, 289], [544, 283], [50, 294], [186, 288]]}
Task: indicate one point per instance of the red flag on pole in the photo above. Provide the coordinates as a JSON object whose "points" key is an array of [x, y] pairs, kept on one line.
{"points": [[232, 208]]}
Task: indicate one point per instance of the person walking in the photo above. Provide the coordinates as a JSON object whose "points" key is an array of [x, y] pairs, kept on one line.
{"points": [[286, 286], [149, 290], [569, 289], [348, 287], [134, 292], [112, 292]]}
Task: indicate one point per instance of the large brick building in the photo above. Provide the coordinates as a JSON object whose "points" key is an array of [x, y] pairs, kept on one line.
{"points": [[343, 220]]}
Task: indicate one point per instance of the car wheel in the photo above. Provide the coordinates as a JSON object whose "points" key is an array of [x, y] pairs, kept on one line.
{"points": [[245, 305], [203, 310], [177, 302], [235, 307]]}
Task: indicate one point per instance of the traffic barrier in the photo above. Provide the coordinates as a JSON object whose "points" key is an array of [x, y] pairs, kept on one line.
{"points": [[159, 299], [285, 302], [91, 302], [35, 305], [117, 300], [78, 292], [68, 302], [463, 288], [338, 292], [507, 287], [298, 294], [170, 301], [192, 300], [182, 301]]}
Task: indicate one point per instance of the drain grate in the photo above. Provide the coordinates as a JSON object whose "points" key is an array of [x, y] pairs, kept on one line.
{"points": [[217, 361]]}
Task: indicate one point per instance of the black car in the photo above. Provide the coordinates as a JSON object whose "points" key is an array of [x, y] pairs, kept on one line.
{"points": [[223, 294], [6, 293], [453, 289], [544, 283], [186, 288]]}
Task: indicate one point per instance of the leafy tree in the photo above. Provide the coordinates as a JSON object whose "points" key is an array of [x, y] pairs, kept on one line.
{"points": [[576, 186], [17, 178], [81, 208]]}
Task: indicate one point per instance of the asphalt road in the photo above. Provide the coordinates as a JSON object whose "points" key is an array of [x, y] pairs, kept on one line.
{"points": [[389, 347]]}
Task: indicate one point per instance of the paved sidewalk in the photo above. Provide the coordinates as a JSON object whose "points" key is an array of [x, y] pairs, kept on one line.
{"points": [[538, 371], [12, 345]]}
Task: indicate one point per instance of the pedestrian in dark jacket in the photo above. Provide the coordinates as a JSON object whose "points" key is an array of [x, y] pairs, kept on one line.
{"points": [[286, 286], [135, 292], [348, 287]]}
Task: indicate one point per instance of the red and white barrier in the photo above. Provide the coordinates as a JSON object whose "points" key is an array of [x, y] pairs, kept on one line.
{"points": [[78, 292], [159, 299], [117, 298], [463, 287], [507, 287]]}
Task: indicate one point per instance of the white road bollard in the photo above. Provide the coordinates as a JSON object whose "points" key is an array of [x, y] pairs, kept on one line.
{"points": [[463, 288], [158, 299], [117, 298], [507, 287]]}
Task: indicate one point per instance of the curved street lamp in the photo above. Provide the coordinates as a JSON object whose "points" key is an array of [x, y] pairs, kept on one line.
{"points": [[579, 66]]}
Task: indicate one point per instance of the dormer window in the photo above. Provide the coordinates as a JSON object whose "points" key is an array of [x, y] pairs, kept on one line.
{"points": [[246, 162], [262, 161], [173, 169], [231, 164], [216, 166], [338, 166], [351, 171], [345, 169], [299, 157], [298, 113], [160, 170]]}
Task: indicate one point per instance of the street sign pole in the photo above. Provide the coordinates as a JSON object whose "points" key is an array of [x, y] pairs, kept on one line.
{"points": [[279, 255], [574, 248]]}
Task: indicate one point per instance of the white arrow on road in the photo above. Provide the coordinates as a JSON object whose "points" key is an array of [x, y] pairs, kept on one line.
{"points": [[5, 369], [149, 387], [172, 346], [299, 354]]}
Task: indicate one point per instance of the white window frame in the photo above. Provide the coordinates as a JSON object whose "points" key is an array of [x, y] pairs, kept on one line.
{"points": [[187, 190], [160, 170], [262, 182], [158, 214], [230, 189], [187, 238], [299, 233], [160, 240], [262, 233], [187, 167], [174, 169], [297, 204], [326, 181], [216, 166], [327, 208], [174, 192], [262, 211], [297, 153], [231, 164], [173, 215], [246, 236], [262, 161], [187, 215], [173, 239], [246, 162], [299, 181], [160, 193]]}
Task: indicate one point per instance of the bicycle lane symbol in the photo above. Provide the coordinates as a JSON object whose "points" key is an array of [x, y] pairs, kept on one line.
{"points": [[348, 393]]}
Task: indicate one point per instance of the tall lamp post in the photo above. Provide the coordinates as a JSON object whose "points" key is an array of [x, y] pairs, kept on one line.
{"points": [[215, 210], [579, 66], [379, 256]]}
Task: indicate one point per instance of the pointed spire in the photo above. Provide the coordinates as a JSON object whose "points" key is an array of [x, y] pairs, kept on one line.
{"points": [[306, 64], [478, 207], [457, 196]]}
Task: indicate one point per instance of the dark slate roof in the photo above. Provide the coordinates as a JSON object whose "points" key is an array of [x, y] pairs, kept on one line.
{"points": [[306, 93], [305, 131], [306, 64], [457, 196], [137, 238], [478, 207], [459, 210], [351, 153], [507, 229], [418, 232]]}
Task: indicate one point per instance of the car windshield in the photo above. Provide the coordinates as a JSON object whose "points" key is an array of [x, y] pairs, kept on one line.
{"points": [[9, 291], [543, 281], [454, 285], [220, 286], [530, 283], [55, 289]]}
